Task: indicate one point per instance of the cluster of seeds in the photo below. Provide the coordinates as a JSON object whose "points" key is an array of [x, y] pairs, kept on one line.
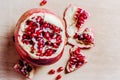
{"points": [[80, 17], [76, 59], [43, 37], [23, 67], [84, 38]]}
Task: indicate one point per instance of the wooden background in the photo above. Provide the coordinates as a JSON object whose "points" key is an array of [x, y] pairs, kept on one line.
{"points": [[103, 59]]}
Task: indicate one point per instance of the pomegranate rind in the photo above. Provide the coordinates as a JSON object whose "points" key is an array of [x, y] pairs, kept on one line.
{"points": [[17, 68], [71, 28], [82, 45], [33, 59], [68, 69]]}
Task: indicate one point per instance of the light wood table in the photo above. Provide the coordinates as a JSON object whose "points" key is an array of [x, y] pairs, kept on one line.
{"points": [[103, 59]]}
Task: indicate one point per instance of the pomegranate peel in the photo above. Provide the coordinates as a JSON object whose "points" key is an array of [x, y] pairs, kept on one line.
{"points": [[24, 68], [34, 29], [76, 60], [74, 18]]}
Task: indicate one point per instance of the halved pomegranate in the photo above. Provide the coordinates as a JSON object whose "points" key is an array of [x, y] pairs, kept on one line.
{"points": [[24, 68], [76, 60], [40, 37], [75, 18]]}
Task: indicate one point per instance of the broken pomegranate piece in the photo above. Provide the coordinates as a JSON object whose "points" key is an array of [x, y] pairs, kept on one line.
{"points": [[76, 60], [84, 40], [40, 37], [74, 18], [24, 68]]}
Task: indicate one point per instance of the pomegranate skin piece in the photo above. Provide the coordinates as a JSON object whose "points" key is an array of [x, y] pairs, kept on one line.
{"points": [[29, 47]]}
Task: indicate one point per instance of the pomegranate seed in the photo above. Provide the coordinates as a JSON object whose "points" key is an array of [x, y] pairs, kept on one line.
{"points": [[38, 18], [45, 25], [48, 43], [24, 36], [32, 49], [31, 23], [79, 10], [55, 45], [77, 51], [56, 29], [47, 35], [52, 71], [60, 69], [58, 37], [38, 32], [58, 42], [43, 2], [33, 35], [58, 77], [75, 36]]}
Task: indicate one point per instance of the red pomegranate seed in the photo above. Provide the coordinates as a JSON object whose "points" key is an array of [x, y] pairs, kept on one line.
{"points": [[60, 69], [55, 45], [77, 51], [75, 36], [52, 71], [56, 29], [58, 77], [58, 41], [33, 35], [58, 37], [47, 35], [79, 10], [38, 18], [43, 2], [32, 49]]}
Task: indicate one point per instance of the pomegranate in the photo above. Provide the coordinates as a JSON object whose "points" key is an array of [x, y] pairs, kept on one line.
{"points": [[24, 68], [75, 18], [76, 60], [40, 37]]}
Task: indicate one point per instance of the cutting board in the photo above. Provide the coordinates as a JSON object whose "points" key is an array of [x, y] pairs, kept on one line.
{"points": [[103, 59]]}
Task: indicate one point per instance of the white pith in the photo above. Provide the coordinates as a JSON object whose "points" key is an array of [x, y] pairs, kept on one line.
{"points": [[73, 68], [69, 18], [50, 18]]}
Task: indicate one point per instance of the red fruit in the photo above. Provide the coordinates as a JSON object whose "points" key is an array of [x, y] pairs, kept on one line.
{"points": [[24, 68], [60, 69], [52, 71], [43, 2], [76, 60], [58, 77], [37, 42]]}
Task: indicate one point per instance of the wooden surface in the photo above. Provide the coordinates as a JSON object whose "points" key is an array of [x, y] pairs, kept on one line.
{"points": [[103, 59]]}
